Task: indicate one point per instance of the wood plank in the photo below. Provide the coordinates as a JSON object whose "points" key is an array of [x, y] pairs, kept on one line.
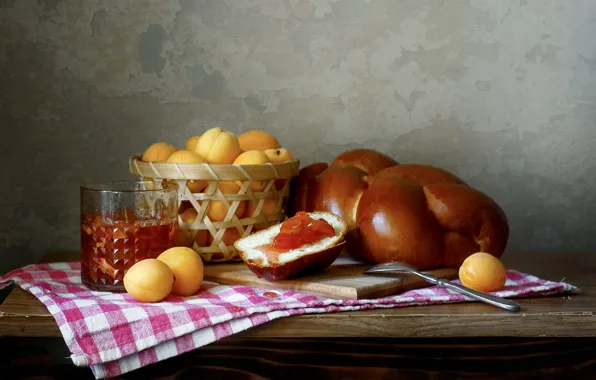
{"points": [[342, 280], [340, 358], [383, 359]]}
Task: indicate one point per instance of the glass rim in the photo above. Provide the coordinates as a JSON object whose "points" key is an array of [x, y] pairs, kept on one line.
{"points": [[119, 186]]}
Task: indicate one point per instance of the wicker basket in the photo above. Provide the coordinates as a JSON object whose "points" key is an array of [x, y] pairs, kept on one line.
{"points": [[276, 178]]}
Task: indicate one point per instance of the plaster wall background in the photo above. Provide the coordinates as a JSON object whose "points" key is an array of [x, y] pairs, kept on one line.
{"points": [[501, 93]]}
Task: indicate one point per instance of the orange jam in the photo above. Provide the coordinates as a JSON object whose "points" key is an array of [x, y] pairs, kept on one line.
{"points": [[110, 246], [300, 230]]}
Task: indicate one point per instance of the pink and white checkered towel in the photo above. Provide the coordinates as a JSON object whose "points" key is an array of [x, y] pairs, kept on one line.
{"points": [[114, 334]]}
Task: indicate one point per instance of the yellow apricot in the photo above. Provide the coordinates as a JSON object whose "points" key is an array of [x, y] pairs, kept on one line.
{"points": [[201, 239], [269, 208], [185, 157], [219, 146], [184, 205], [483, 272], [188, 157], [257, 140], [218, 210], [188, 269], [149, 280], [189, 215], [279, 155], [229, 237], [196, 185], [192, 142], [158, 152], [253, 157]]}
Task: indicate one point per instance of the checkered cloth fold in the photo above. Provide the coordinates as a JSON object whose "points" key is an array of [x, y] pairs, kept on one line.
{"points": [[113, 334]]}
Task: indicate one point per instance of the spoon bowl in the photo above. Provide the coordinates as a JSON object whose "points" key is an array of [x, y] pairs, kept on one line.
{"points": [[391, 267]]}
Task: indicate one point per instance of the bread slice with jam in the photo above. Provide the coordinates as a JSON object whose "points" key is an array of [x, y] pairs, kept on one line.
{"points": [[305, 243]]}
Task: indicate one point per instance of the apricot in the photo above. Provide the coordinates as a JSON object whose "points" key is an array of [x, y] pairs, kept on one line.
{"points": [[269, 208], [229, 237], [202, 238], [158, 152], [185, 157], [483, 272], [196, 185], [218, 210], [149, 280], [257, 140], [189, 215], [187, 267], [188, 157], [253, 157], [219, 146], [192, 142], [279, 155], [184, 205]]}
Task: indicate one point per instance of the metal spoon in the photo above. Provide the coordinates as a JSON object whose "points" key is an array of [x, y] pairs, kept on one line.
{"points": [[397, 267]]}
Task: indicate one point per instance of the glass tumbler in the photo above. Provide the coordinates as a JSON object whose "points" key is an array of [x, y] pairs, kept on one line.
{"points": [[121, 224]]}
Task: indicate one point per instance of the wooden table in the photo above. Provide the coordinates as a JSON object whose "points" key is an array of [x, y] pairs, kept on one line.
{"points": [[552, 336]]}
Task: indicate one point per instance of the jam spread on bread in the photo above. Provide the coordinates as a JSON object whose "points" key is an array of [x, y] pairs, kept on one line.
{"points": [[300, 230], [296, 232]]}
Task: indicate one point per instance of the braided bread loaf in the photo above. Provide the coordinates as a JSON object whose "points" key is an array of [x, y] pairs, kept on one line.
{"points": [[417, 214]]}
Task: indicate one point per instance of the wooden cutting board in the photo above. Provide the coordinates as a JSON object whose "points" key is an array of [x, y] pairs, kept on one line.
{"points": [[342, 280]]}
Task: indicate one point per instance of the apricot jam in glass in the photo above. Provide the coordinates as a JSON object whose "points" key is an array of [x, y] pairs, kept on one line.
{"points": [[121, 224]]}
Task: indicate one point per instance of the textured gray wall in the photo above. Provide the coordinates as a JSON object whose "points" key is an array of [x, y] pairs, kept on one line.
{"points": [[500, 92]]}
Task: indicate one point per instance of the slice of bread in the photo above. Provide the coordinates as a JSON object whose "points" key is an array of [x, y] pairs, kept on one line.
{"points": [[307, 258]]}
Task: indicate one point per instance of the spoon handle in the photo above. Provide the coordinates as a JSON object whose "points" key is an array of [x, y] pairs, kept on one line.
{"points": [[485, 297]]}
